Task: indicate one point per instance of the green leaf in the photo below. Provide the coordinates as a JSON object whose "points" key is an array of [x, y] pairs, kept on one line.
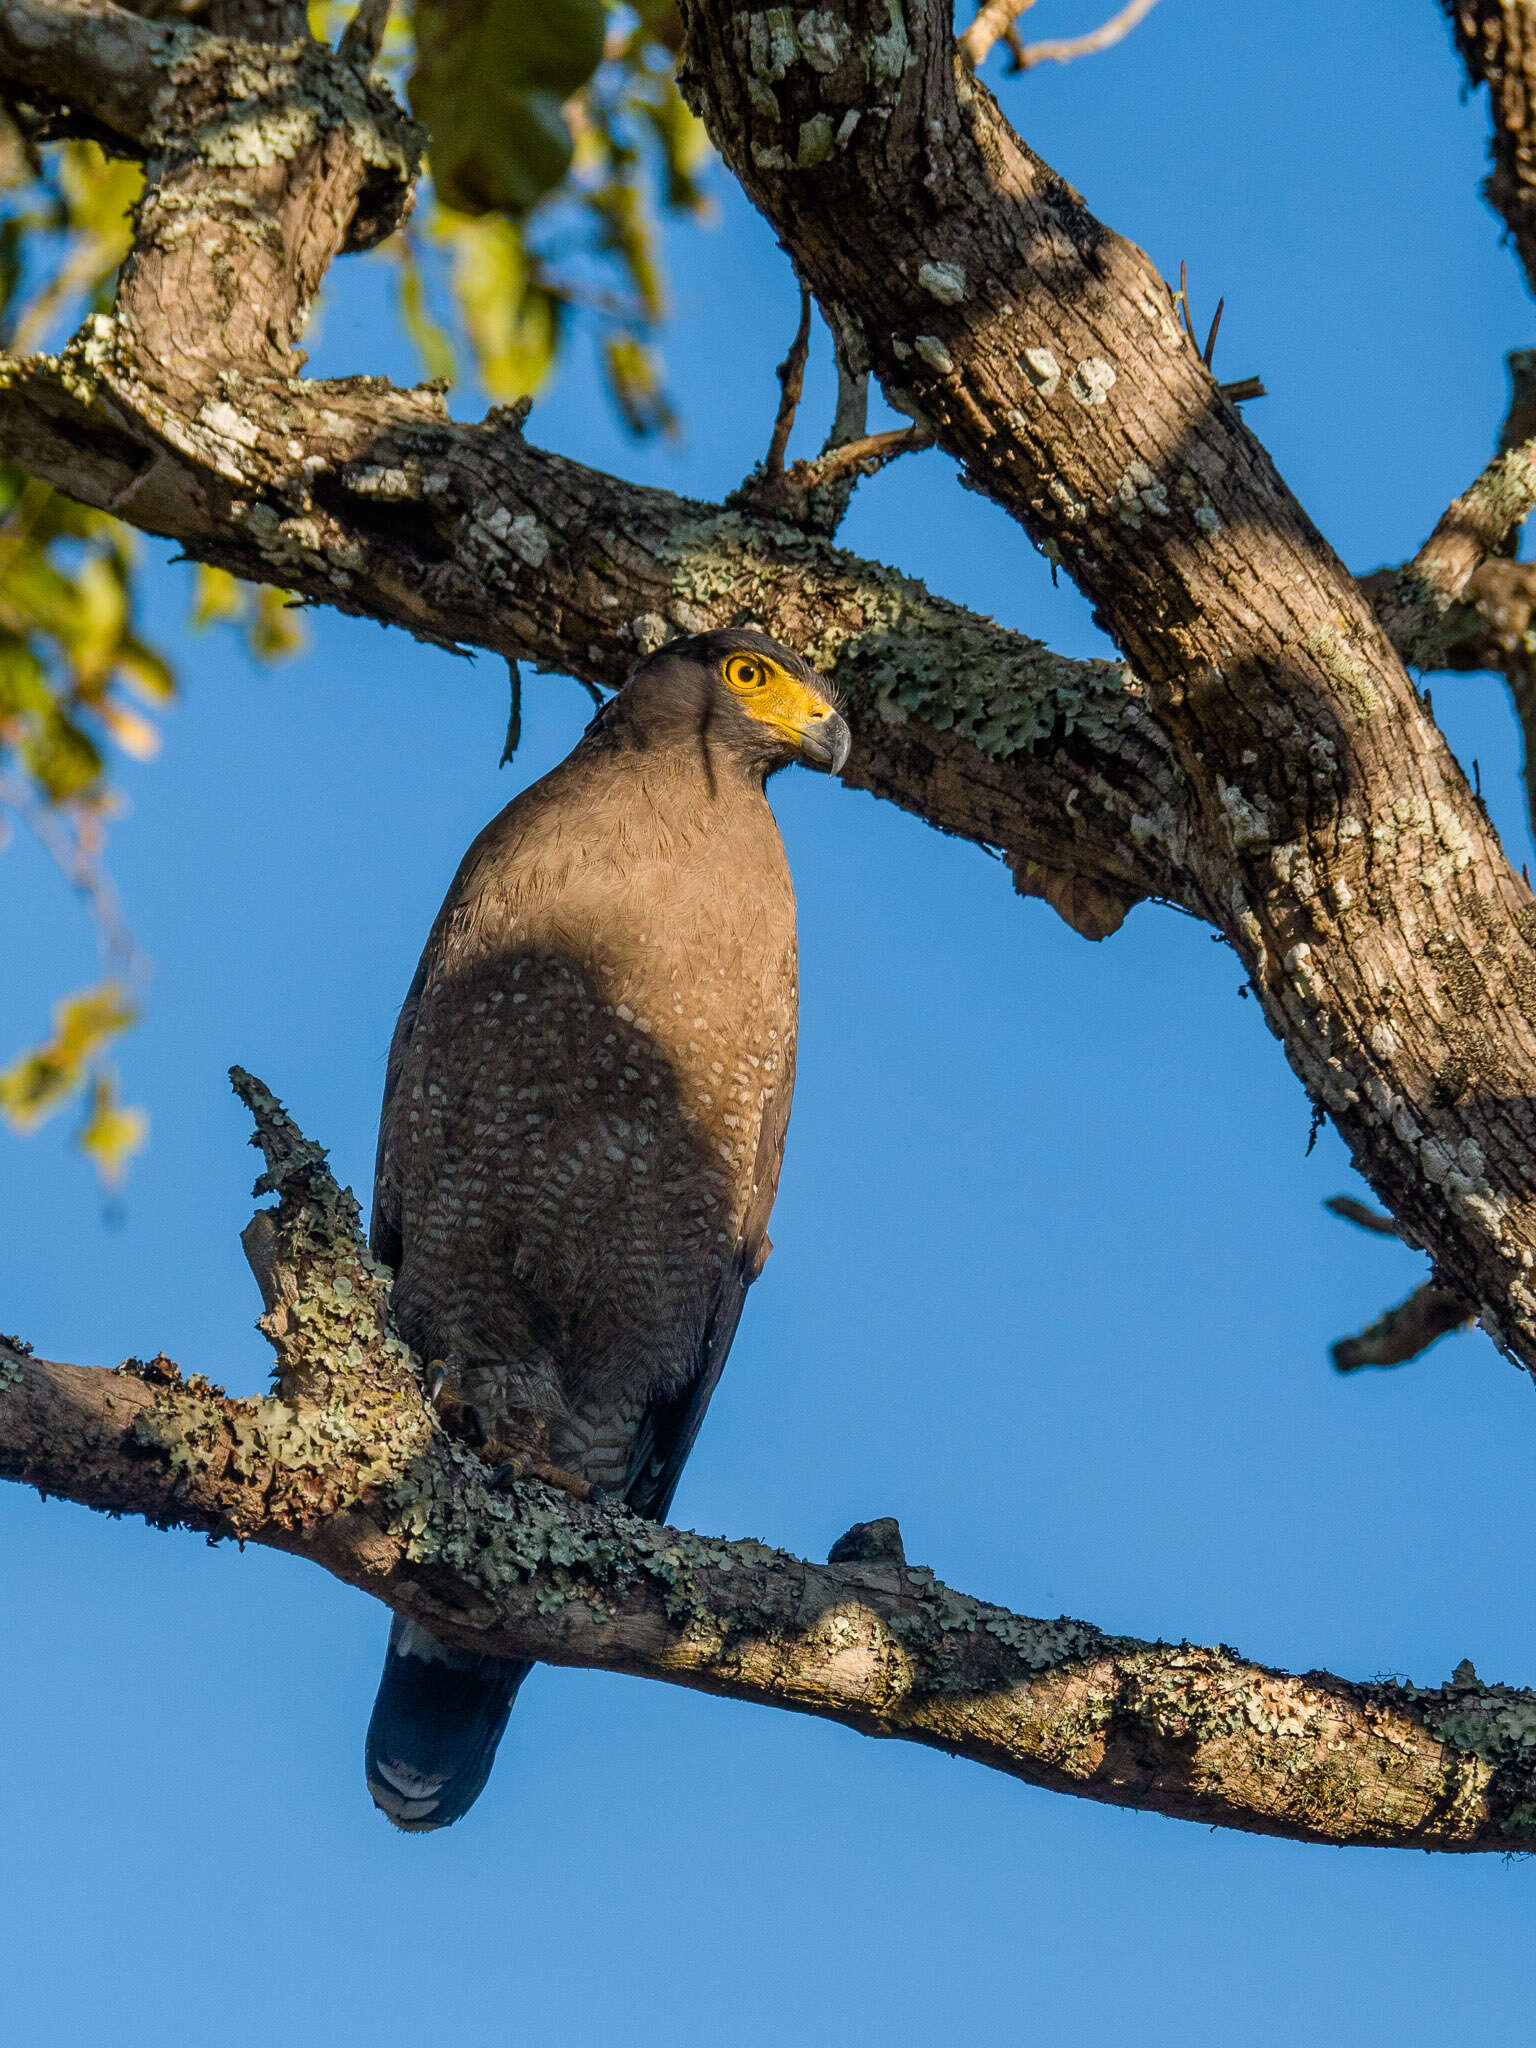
{"points": [[490, 84], [146, 673], [44, 1078], [636, 385], [683, 144], [265, 614], [629, 233], [111, 1134], [274, 631], [432, 342], [511, 318], [217, 597], [24, 689], [61, 757]]}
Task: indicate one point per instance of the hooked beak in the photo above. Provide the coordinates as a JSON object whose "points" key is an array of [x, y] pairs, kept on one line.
{"points": [[825, 744]]}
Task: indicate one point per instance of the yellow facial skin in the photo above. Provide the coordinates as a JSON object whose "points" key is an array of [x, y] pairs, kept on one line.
{"points": [[772, 695]]}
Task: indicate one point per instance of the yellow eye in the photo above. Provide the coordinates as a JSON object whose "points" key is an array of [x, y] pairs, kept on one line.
{"points": [[743, 673]]}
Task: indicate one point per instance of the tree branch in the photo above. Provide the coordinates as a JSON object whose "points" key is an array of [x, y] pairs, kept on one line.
{"points": [[1472, 527], [180, 418], [994, 22], [370, 499], [1409, 1328], [1067, 49], [1497, 41], [97, 59], [1337, 844], [1288, 785], [1462, 603], [1403, 1332], [345, 1465], [791, 385]]}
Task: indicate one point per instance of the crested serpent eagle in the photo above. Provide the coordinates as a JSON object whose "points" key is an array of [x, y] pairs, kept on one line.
{"points": [[584, 1116]]}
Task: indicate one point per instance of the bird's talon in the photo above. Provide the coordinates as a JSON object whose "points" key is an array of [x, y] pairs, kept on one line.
{"points": [[472, 1425], [505, 1476], [597, 1497], [437, 1379]]}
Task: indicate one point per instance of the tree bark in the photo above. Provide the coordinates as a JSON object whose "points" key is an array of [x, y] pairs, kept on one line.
{"points": [[1336, 842], [1266, 763], [1497, 41], [345, 1465]]}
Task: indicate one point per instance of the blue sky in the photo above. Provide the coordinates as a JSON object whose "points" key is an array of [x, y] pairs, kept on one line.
{"points": [[1052, 1280]]}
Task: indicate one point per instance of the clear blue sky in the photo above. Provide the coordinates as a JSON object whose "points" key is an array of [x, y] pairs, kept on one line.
{"points": [[1052, 1280]]}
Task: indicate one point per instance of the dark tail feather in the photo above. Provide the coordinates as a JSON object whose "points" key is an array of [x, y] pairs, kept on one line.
{"points": [[436, 1723]]}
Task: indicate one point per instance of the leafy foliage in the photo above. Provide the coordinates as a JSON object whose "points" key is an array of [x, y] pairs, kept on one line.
{"points": [[69, 1061], [71, 663], [557, 135], [266, 616], [80, 684], [505, 257], [490, 86]]}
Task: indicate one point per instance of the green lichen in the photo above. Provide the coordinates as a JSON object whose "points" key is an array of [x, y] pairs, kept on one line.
{"points": [[815, 144], [889, 645], [1442, 842], [1344, 669], [887, 56]]}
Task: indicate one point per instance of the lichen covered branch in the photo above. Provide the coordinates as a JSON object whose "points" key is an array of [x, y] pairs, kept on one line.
{"points": [[346, 1466], [468, 535], [97, 59], [1336, 843], [1263, 760], [1424, 603], [182, 414]]}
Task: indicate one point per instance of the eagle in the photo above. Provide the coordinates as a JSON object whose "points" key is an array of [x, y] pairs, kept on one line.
{"points": [[584, 1114]]}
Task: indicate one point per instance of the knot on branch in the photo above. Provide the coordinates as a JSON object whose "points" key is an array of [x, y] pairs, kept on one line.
{"points": [[1095, 909], [877, 1542]]}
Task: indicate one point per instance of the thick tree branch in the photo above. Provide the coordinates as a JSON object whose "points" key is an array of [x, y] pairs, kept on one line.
{"points": [[1497, 41], [1337, 843], [346, 1466], [96, 59], [181, 414], [370, 499], [1483, 629], [1463, 602], [1288, 784], [230, 112]]}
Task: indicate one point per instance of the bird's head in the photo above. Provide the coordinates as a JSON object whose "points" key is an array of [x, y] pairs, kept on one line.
{"points": [[742, 693]]}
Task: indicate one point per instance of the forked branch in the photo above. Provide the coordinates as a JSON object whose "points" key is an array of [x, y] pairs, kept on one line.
{"points": [[345, 1466]]}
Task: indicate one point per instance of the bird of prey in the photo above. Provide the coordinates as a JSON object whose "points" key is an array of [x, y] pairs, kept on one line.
{"points": [[584, 1117]]}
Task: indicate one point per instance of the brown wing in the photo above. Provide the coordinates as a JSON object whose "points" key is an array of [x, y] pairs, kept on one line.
{"points": [[670, 1424], [384, 1236], [384, 1228]]}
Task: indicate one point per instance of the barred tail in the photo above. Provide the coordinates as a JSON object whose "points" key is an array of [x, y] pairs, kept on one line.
{"points": [[439, 1715]]}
